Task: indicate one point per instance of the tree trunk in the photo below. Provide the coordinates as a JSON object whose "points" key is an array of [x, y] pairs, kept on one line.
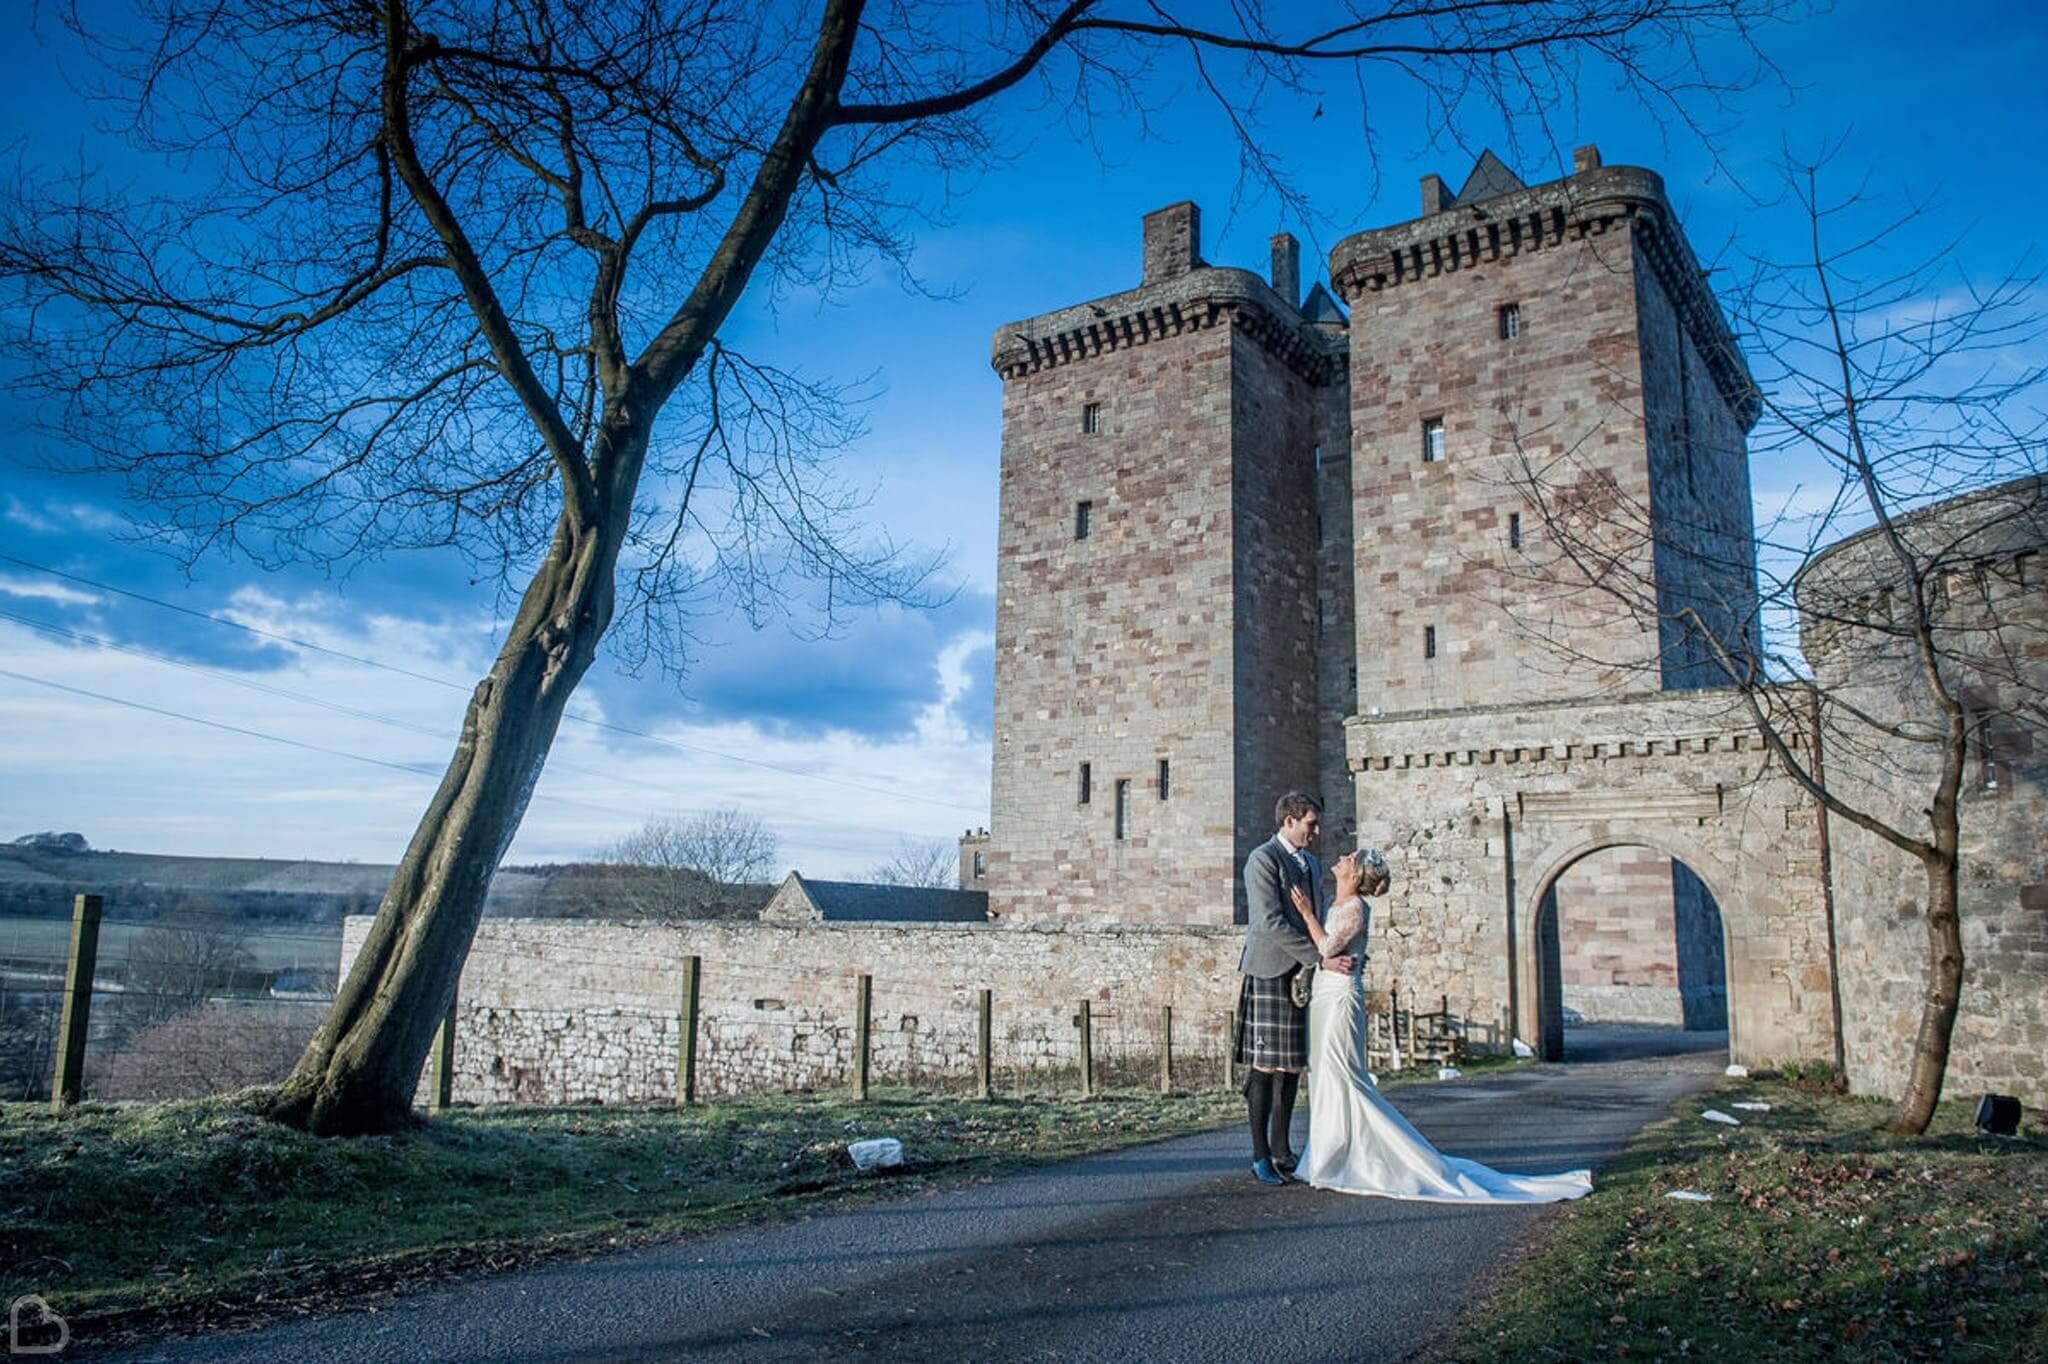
{"points": [[1938, 1008], [360, 1071]]}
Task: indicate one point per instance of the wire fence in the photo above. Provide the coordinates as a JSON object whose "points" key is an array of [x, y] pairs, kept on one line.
{"points": [[182, 1005]]}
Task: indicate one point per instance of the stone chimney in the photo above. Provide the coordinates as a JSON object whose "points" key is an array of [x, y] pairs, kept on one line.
{"points": [[1585, 158], [1435, 198], [1173, 241], [1287, 268]]}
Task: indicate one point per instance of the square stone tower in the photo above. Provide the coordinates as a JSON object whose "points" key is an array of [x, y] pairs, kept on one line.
{"points": [[1160, 601], [1563, 327]]}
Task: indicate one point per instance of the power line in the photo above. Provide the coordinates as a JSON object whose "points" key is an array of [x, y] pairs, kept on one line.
{"points": [[217, 724], [642, 735], [236, 680], [412, 769]]}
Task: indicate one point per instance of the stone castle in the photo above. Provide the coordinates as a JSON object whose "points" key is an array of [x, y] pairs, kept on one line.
{"points": [[1235, 519], [1254, 539]]}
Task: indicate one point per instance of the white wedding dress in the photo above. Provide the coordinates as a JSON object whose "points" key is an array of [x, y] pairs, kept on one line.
{"points": [[1357, 1143]]}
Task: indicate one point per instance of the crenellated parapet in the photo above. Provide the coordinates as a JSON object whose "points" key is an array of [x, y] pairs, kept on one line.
{"points": [[1202, 298], [1621, 201], [1670, 725]]}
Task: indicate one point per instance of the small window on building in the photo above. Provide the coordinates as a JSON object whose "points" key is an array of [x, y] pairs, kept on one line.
{"points": [[1429, 641], [1087, 785], [1510, 321], [1514, 530], [1123, 809], [1318, 459], [1084, 520], [980, 865], [1163, 775], [1979, 740], [1091, 418], [1432, 440]]}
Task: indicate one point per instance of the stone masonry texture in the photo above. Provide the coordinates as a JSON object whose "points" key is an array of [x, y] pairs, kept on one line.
{"points": [[571, 1011], [1991, 617], [1225, 570]]}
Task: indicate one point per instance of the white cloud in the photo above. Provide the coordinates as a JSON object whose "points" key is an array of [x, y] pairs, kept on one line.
{"points": [[140, 781], [21, 514], [940, 722], [44, 591]]}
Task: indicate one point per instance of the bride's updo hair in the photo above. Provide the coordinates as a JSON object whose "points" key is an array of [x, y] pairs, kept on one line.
{"points": [[1376, 878]]}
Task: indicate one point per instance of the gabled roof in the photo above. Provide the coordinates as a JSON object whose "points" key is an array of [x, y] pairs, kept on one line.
{"points": [[1320, 307], [1490, 178], [801, 899]]}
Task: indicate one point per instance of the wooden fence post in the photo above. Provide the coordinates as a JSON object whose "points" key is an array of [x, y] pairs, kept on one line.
{"points": [[1230, 1048], [67, 1085], [1087, 1026], [444, 1059], [686, 1035], [1166, 1049], [863, 1009], [984, 1063]]}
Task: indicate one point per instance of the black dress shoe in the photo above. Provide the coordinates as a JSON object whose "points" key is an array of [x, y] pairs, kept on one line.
{"points": [[1285, 1161]]}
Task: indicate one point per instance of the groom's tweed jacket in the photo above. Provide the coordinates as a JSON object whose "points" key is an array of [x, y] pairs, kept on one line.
{"points": [[1275, 940]]}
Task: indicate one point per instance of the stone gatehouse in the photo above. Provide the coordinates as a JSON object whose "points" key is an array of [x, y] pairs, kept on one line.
{"points": [[1255, 539]]}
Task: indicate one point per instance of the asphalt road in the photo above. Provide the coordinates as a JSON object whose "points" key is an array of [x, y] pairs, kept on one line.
{"points": [[1162, 1252]]}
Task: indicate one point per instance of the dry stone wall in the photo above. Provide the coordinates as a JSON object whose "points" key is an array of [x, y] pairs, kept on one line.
{"points": [[560, 1011]]}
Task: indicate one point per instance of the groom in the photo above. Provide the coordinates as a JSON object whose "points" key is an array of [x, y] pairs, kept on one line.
{"points": [[1272, 1030]]}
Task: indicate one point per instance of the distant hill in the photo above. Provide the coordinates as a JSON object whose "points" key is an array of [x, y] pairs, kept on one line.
{"points": [[39, 878]]}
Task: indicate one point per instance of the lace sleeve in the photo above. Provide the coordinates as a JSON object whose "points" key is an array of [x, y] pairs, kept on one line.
{"points": [[1344, 927]]}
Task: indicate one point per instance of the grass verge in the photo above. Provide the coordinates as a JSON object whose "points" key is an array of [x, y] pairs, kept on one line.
{"points": [[143, 1220], [1827, 1238]]}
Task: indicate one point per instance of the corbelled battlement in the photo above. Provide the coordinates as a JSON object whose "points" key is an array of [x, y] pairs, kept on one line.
{"points": [[1590, 203], [1181, 293], [1207, 297], [1652, 724]]}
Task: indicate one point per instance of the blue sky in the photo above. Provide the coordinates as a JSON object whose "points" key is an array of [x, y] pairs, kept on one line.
{"points": [[882, 732]]}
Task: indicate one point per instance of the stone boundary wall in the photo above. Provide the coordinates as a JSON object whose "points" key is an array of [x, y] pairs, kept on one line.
{"points": [[560, 1011]]}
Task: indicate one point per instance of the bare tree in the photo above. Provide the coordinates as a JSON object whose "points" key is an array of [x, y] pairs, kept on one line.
{"points": [[727, 846], [1876, 642], [932, 863], [454, 272], [676, 867], [182, 959], [214, 1047]]}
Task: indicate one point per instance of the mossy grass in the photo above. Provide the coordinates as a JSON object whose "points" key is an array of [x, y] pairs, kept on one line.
{"points": [[1827, 1238], [136, 1219]]}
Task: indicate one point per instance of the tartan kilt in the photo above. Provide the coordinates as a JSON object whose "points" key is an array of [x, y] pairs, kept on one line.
{"points": [[1271, 1032]]}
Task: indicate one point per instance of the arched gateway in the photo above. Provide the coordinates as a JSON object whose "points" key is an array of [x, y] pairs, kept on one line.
{"points": [[1483, 827]]}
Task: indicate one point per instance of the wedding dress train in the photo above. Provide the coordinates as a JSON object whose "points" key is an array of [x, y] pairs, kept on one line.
{"points": [[1358, 1143]]}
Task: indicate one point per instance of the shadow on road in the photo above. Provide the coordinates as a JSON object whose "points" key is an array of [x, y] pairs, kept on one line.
{"points": [[1632, 1042]]}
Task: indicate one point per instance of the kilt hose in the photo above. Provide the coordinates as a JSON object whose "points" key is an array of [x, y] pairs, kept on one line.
{"points": [[1272, 1033]]}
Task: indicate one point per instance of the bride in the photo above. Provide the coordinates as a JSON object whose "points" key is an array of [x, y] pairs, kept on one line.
{"points": [[1357, 1143]]}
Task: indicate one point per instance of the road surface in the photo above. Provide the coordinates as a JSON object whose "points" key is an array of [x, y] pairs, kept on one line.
{"points": [[1162, 1252]]}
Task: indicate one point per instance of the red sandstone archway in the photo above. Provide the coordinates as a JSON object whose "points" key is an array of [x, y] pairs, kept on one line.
{"points": [[1540, 1011]]}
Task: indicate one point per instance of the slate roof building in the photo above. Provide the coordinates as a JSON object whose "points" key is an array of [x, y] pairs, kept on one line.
{"points": [[803, 900]]}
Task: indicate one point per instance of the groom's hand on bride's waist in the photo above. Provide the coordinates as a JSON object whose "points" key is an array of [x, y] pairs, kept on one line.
{"points": [[1342, 965]]}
